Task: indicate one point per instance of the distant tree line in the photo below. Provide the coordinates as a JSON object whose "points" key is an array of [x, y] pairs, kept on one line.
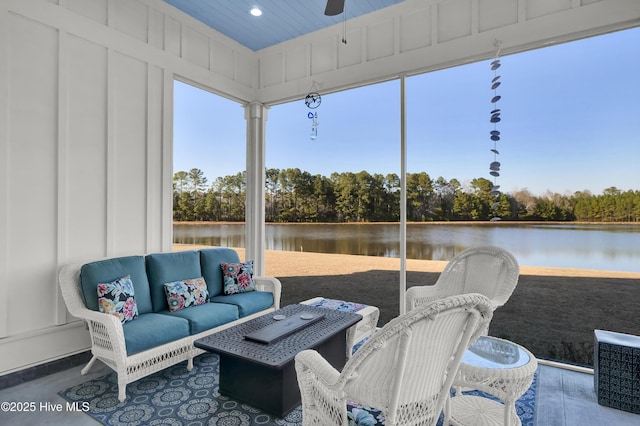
{"points": [[293, 195]]}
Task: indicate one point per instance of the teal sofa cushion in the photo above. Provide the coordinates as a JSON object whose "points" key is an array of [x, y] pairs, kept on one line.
{"points": [[106, 271], [151, 330], [169, 267], [247, 303], [210, 260], [205, 317]]}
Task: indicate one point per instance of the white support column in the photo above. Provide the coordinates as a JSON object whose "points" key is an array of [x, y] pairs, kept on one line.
{"points": [[403, 195], [256, 116]]}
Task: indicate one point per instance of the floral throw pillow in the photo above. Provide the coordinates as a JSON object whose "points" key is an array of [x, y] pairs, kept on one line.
{"points": [[117, 298], [238, 277], [362, 415], [184, 293]]}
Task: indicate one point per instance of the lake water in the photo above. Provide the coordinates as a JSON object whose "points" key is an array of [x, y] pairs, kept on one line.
{"points": [[603, 247]]}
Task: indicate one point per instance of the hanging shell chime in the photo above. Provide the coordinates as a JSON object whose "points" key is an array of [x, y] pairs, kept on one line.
{"points": [[494, 167], [312, 101]]}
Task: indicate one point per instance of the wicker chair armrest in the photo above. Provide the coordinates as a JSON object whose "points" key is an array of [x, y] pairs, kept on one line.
{"points": [[105, 326], [323, 399], [311, 363], [107, 335], [418, 296], [270, 284], [109, 321]]}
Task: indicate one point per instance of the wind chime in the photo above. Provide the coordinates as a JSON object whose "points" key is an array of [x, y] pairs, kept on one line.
{"points": [[312, 101], [494, 167]]}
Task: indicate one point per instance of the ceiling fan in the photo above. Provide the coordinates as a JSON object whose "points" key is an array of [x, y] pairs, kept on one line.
{"points": [[334, 7]]}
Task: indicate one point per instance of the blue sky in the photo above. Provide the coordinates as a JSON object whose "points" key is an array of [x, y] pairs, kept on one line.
{"points": [[570, 121]]}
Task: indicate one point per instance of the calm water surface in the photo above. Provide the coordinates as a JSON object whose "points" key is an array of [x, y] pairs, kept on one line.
{"points": [[604, 247]]}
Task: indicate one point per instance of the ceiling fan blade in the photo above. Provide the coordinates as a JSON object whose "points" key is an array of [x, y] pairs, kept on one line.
{"points": [[334, 7]]}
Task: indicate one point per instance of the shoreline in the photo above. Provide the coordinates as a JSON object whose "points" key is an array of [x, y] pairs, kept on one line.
{"points": [[280, 263], [435, 222], [553, 312]]}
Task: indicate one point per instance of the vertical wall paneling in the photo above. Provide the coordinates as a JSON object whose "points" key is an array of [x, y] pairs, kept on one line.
{"points": [[195, 47], [244, 69], [540, 8], [130, 17], [522, 10], [380, 39], [32, 172], [151, 160], [63, 165], [296, 64], [454, 20], [156, 29], [415, 30], [86, 173], [129, 156], [92, 9], [496, 13], [351, 53], [433, 13], [272, 70], [155, 95], [223, 60], [4, 168], [110, 188], [172, 39], [322, 55], [167, 161], [475, 13]]}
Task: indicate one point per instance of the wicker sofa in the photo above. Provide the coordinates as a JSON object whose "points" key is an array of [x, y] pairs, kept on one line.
{"points": [[159, 335]]}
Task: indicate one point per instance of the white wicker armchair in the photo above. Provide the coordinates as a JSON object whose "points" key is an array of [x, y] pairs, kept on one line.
{"points": [[490, 271], [405, 369]]}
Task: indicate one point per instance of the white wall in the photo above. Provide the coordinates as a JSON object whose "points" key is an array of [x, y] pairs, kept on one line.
{"points": [[86, 118], [85, 147]]}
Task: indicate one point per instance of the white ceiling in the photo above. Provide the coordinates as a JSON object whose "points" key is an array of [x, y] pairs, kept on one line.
{"points": [[281, 19]]}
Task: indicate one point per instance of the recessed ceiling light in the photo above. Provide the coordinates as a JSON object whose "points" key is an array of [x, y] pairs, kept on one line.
{"points": [[255, 11]]}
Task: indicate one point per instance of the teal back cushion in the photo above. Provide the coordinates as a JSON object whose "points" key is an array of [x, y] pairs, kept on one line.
{"points": [[164, 268], [210, 260], [105, 271]]}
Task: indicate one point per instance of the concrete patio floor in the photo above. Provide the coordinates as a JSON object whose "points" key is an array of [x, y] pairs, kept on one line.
{"points": [[564, 398]]}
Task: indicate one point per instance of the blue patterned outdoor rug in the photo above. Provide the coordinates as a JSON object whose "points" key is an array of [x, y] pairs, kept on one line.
{"points": [[177, 397]]}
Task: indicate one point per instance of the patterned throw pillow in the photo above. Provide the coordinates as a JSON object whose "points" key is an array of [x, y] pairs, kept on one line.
{"points": [[362, 415], [117, 298], [339, 305], [238, 277], [185, 293]]}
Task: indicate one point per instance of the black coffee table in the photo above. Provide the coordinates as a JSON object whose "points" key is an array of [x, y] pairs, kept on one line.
{"points": [[263, 374]]}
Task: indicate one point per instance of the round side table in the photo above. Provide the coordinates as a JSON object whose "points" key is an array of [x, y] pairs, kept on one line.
{"points": [[495, 366]]}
